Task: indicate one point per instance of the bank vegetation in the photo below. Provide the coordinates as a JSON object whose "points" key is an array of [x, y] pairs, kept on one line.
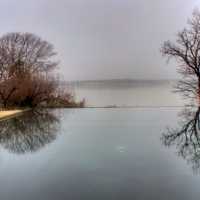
{"points": [[28, 75]]}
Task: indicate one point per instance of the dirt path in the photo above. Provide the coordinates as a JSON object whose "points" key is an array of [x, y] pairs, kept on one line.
{"points": [[9, 113]]}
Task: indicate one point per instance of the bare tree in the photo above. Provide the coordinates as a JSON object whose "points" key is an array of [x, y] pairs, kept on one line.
{"points": [[186, 50], [27, 76], [22, 53], [26, 63]]}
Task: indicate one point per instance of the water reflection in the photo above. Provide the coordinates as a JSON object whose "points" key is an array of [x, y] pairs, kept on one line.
{"points": [[29, 132], [186, 138]]}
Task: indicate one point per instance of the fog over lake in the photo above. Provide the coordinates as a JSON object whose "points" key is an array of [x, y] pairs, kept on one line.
{"points": [[127, 93]]}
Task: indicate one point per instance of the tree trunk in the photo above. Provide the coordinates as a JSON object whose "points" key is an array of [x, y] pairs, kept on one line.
{"points": [[198, 92]]}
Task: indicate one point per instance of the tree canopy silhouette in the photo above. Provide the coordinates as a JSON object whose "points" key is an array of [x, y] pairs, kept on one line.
{"points": [[25, 59], [186, 50], [27, 72], [25, 53]]}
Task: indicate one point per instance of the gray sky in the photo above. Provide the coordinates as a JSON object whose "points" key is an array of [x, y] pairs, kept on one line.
{"points": [[102, 39]]}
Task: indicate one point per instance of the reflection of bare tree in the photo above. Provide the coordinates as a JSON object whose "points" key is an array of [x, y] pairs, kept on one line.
{"points": [[188, 88], [187, 137], [28, 132]]}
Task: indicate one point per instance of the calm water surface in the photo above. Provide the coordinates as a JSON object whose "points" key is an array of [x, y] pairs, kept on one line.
{"points": [[100, 154]]}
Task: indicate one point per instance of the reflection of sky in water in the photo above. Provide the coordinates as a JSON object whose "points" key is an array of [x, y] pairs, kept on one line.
{"points": [[102, 154]]}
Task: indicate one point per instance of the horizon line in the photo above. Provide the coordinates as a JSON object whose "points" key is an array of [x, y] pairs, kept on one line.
{"points": [[120, 79]]}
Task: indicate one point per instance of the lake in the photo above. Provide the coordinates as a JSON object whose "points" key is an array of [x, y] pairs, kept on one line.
{"points": [[102, 153], [127, 93]]}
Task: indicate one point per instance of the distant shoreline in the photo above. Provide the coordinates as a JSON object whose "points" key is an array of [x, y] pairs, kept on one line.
{"points": [[122, 80], [130, 107]]}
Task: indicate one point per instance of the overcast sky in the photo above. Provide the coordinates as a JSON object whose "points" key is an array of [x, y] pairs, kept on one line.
{"points": [[102, 39]]}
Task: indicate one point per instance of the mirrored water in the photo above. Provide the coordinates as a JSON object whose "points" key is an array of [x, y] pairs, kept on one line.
{"points": [[101, 154]]}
